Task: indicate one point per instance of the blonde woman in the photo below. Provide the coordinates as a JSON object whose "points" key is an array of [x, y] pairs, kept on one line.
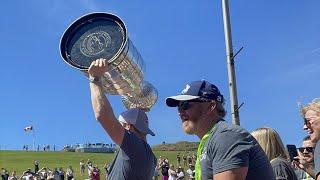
{"points": [[272, 145]]}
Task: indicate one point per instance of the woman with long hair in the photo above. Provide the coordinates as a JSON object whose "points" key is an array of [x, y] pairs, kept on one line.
{"points": [[272, 145]]}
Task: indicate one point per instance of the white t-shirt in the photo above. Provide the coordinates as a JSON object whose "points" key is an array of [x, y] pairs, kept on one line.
{"points": [[172, 174], [191, 173], [90, 169], [69, 172], [180, 175]]}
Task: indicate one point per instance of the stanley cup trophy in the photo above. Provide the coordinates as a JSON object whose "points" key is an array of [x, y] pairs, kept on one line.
{"points": [[103, 35]]}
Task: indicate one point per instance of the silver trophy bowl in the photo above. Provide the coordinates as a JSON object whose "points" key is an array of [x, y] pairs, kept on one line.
{"points": [[104, 35]]}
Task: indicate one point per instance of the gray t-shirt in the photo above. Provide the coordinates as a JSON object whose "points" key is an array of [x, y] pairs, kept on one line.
{"points": [[317, 159], [230, 147], [283, 170], [135, 160]]}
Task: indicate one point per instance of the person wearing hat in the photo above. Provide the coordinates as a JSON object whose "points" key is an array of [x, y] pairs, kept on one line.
{"points": [[135, 159], [226, 151]]}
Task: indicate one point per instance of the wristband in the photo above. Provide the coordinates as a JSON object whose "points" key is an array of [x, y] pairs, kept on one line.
{"points": [[93, 79]]}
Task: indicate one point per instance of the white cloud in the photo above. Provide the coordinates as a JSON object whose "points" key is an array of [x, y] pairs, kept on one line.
{"points": [[90, 5], [314, 51]]}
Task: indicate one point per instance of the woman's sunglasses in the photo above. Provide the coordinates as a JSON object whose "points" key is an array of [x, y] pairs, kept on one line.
{"points": [[309, 149]]}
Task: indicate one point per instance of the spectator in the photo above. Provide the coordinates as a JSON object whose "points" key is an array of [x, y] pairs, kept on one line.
{"points": [[189, 158], [164, 170], [95, 175], [311, 114], [191, 172], [272, 145], [36, 166], [69, 173], [226, 151], [184, 159], [13, 176], [82, 167], [178, 159], [56, 174], [43, 172], [89, 162], [27, 175], [4, 174], [90, 169], [305, 162], [180, 173], [172, 173], [51, 176], [61, 173], [160, 160]]}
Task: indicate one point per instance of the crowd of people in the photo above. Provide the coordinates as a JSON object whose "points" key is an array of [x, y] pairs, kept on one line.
{"points": [[225, 152], [44, 173], [170, 171], [45, 147]]}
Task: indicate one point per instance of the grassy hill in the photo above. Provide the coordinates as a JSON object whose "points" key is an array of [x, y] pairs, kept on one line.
{"points": [[179, 146], [22, 160]]}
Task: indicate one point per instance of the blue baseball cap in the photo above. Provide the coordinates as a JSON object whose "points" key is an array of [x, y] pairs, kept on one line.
{"points": [[202, 90]]}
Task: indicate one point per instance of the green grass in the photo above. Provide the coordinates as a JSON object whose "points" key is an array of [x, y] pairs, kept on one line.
{"points": [[21, 160]]}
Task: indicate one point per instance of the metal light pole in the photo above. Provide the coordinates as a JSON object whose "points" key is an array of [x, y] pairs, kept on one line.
{"points": [[230, 61]]}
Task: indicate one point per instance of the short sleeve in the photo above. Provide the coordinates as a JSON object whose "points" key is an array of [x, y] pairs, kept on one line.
{"points": [[131, 145], [282, 170], [230, 150]]}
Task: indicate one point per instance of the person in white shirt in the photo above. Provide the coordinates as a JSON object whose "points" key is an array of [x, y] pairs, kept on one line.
{"points": [[69, 173], [180, 173], [172, 173], [191, 172]]}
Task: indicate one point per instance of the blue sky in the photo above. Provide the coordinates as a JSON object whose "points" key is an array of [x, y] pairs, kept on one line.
{"points": [[180, 41]]}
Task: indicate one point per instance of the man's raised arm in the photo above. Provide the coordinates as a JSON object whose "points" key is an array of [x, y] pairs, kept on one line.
{"points": [[101, 106]]}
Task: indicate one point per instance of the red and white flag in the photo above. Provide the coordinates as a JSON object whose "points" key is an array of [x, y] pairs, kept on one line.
{"points": [[28, 128]]}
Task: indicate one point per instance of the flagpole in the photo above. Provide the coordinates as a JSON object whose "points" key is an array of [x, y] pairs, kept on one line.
{"points": [[33, 139], [230, 62]]}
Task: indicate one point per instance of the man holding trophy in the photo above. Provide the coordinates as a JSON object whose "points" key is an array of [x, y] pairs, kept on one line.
{"points": [[98, 45], [135, 159]]}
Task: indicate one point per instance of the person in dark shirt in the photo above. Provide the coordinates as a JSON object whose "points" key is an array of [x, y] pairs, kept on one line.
{"points": [[36, 166], [4, 174], [135, 159], [164, 170], [226, 151]]}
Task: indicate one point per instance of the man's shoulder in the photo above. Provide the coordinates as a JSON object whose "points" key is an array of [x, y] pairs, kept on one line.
{"points": [[133, 140], [227, 135], [228, 131]]}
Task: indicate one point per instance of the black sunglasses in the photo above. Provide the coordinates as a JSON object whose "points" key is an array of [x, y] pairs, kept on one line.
{"points": [[309, 149], [306, 122], [185, 105]]}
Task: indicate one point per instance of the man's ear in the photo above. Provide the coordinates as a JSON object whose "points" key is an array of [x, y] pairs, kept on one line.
{"points": [[213, 106]]}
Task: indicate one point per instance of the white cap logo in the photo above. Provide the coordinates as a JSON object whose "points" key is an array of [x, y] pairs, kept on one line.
{"points": [[185, 89]]}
